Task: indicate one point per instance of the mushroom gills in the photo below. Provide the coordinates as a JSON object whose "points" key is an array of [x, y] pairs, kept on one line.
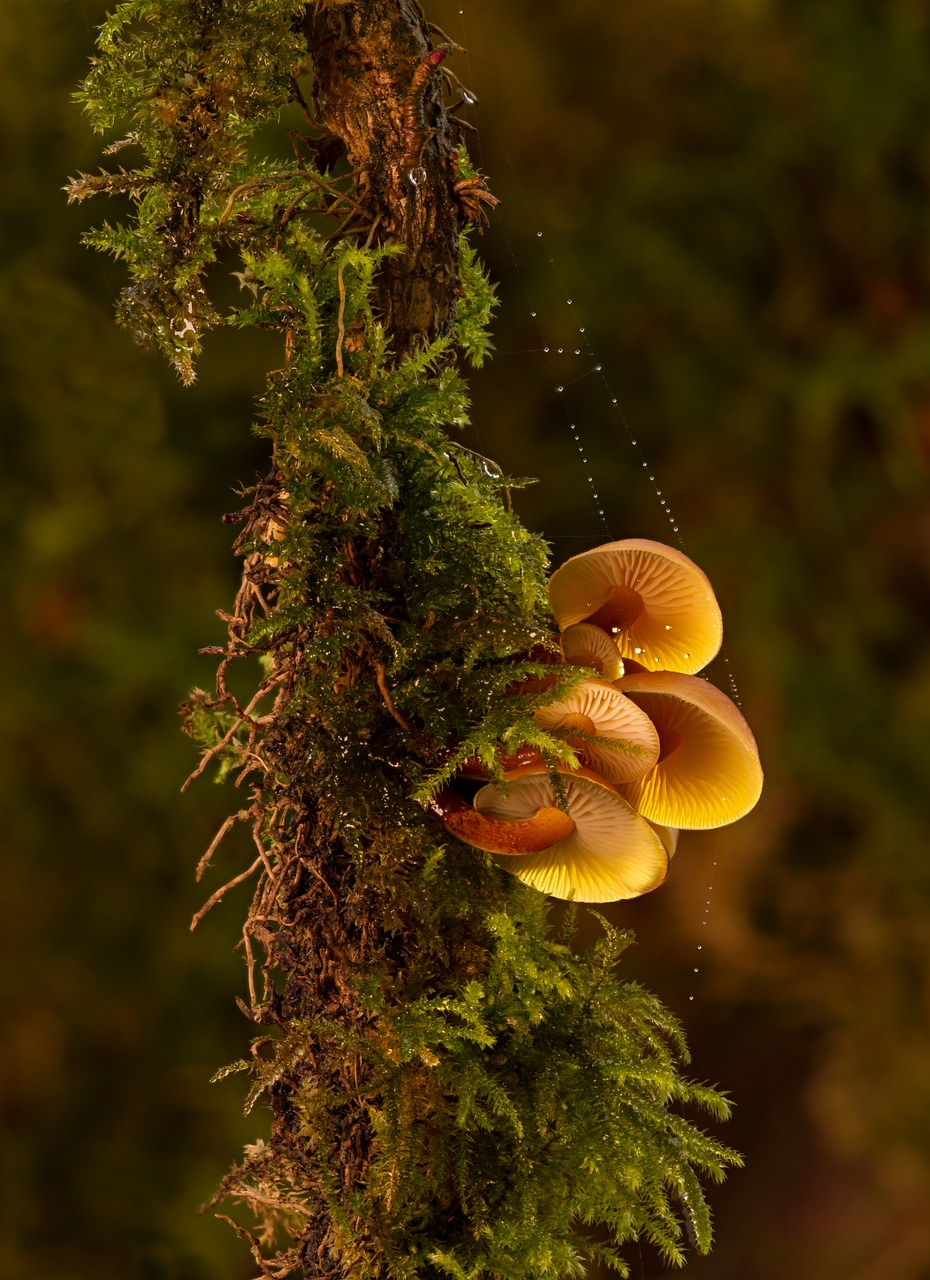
{"points": [[611, 854]]}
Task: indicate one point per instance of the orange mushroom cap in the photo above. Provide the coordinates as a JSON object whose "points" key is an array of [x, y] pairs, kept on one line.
{"points": [[611, 853], [655, 602], [708, 773], [600, 709], [527, 834], [587, 646]]}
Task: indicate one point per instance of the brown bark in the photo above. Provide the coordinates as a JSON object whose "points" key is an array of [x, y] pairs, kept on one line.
{"points": [[378, 89]]}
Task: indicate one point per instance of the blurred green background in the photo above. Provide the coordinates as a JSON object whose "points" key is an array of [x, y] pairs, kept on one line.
{"points": [[735, 196]]}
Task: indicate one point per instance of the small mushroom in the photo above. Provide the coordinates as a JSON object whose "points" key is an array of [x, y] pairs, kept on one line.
{"points": [[611, 852], [708, 772], [598, 710], [587, 646], [528, 833], [655, 602]]}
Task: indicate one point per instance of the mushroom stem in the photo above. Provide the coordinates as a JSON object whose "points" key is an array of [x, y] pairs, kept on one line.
{"points": [[620, 610]]}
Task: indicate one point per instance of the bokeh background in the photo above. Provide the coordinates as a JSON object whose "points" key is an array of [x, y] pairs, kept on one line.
{"points": [[736, 196]]}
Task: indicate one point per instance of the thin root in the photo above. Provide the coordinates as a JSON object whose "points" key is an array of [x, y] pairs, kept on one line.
{"points": [[221, 893], [215, 842]]}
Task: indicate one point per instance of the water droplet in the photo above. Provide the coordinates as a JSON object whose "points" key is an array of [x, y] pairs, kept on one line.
{"points": [[687, 655], [700, 946], [632, 441], [539, 234], [695, 971], [581, 329], [690, 997], [597, 368], [637, 650], [560, 350], [568, 302], [533, 314], [546, 349], [668, 626], [613, 402], [560, 388], [469, 97], [577, 351]]}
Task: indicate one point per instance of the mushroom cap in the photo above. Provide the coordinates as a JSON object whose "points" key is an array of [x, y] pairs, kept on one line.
{"points": [[596, 707], [587, 646], [656, 603], [708, 773], [612, 853], [510, 836]]}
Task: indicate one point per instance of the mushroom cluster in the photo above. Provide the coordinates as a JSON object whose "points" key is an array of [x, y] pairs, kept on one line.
{"points": [[661, 749]]}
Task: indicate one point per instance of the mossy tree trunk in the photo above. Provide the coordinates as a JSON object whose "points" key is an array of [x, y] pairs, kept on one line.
{"points": [[377, 90], [420, 1030]]}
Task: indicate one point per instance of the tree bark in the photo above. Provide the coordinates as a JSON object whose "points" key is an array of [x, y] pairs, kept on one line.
{"points": [[378, 89]]}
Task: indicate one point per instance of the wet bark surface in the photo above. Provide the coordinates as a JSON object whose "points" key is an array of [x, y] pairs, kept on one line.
{"points": [[378, 90]]}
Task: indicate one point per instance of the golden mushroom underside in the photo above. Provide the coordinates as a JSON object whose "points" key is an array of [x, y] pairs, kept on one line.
{"points": [[678, 628], [710, 776], [631, 743], [611, 854], [587, 646]]}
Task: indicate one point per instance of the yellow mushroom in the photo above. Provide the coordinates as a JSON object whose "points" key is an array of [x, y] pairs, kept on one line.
{"points": [[708, 772], [655, 602], [587, 646], [610, 853], [598, 710]]}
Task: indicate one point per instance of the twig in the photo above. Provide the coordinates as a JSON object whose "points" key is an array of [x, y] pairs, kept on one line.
{"points": [[372, 229], [266, 687], [220, 893], [388, 700], [205, 860], [326, 885], [340, 321], [257, 841], [250, 965], [298, 94]]}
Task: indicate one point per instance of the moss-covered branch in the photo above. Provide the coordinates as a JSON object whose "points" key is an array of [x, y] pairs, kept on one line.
{"points": [[453, 1091]]}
